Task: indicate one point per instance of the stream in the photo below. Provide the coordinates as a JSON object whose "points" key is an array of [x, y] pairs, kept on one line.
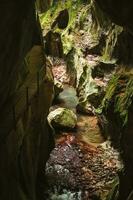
{"points": [[82, 166]]}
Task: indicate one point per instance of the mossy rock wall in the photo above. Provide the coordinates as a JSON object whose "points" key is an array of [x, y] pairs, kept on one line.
{"points": [[89, 32], [116, 119]]}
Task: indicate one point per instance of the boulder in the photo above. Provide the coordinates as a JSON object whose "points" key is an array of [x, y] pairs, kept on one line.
{"points": [[62, 118]]}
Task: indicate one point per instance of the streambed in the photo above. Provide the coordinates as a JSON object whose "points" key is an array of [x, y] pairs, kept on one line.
{"points": [[82, 165]]}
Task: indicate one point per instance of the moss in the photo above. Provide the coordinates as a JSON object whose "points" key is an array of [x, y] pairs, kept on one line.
{"points": [[111, 41], [62, 118], [114, 192], [110, 91], [90, 21], [124, 101], [99, 17], [87, 17], [48, 17], [119, 96]]}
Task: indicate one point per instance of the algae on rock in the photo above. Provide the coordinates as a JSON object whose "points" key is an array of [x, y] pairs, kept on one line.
{"points": [[62, 118], [117, 102], [89, 38]]}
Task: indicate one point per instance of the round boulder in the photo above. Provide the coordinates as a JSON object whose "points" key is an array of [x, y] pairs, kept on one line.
{"points": [[62, 118]]}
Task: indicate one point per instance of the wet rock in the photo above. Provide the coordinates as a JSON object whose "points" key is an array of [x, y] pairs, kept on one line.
{"points": [[62, 118]]}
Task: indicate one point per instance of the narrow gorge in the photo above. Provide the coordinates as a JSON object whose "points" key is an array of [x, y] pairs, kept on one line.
{"points": [[66, 100]]}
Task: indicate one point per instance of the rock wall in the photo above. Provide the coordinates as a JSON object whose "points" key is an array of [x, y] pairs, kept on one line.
{"points": [[43, 5], [120, 12], [26, 94], [115, 113], [115, 118]]}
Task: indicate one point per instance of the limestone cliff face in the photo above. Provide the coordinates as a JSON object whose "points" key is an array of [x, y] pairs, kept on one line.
{"points": [[26, 88]]}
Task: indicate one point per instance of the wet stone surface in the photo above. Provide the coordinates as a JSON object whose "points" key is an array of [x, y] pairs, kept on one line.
{"points": [[79, 170]]}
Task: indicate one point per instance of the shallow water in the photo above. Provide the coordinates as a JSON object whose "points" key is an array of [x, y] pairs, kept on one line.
{"points": [[68, 97], [82, 165], [77, 170], [87, 126]]}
